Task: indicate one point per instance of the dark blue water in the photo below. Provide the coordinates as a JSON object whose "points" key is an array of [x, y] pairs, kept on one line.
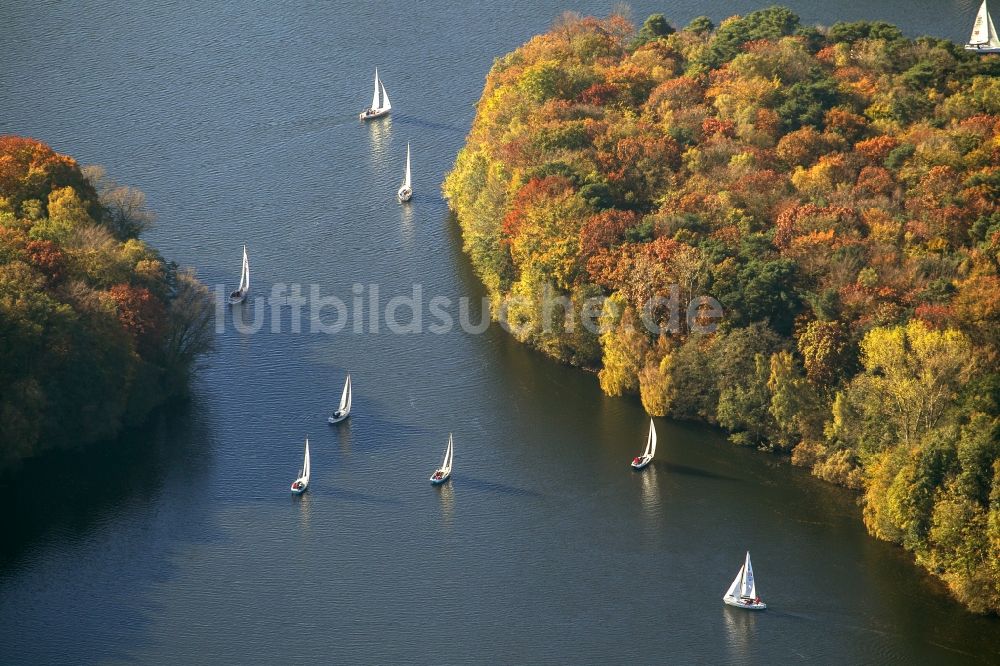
{"points": [[181, 544]]}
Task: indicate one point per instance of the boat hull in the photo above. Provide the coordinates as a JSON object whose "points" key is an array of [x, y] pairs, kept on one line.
{"points": [[299, 491], [372, 114], [642, 464], [982, 49], [745, 604], [236, 300], [337, 419], [438, 482], [404, 195]]}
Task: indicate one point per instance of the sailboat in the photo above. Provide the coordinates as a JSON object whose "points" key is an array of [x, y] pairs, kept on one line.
{"points": [[647, 456], [377, 109], [405, 191], [443, 473], [300, 484], [240, 294], [743, 592], [344, 410], [984, 34]]}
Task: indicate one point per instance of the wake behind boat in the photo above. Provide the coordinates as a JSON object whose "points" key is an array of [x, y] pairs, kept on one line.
{"points": [[300, 484], [378, 108], [984, 35], [405, 192], [743, 592], [443, 473], [344, 410], [640, 462], [241, 292]]}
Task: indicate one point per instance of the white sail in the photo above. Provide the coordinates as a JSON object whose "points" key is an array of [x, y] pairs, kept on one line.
{"points": [[406, 180], [305, 464], [651, 442], [245, 272], [749, 587], [980, 29], [734, 589], [385, 98], [983, 31], [375, 95], [345, 398], [449, 454]]}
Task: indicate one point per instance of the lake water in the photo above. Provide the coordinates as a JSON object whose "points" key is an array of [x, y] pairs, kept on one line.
{"points": [[181, 544]]}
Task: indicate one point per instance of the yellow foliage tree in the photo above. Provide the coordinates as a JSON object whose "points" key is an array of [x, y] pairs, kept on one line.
{"points": [[624, 346]]}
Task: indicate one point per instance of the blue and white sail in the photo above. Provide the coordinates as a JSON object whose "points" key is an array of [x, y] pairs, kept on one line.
{"points": [[742, 593]]}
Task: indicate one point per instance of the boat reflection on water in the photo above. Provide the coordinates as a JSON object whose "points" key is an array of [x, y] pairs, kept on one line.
{"points": [[407, 227], [380, 134], [304, 502], [741, 630], [651, 504], [446, 494], [344, 436], [247, 318]]}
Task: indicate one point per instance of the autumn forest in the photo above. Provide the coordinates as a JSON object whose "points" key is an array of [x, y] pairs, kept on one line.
{"points": [[835, 190], [97, 328]]}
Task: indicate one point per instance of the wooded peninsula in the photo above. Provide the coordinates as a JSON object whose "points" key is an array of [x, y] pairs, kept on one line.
{"points": [[834, 189], [97, 329]]}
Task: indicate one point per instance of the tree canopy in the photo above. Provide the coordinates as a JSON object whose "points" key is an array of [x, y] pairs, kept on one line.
{"points": [[835, 190], [97, 328]]}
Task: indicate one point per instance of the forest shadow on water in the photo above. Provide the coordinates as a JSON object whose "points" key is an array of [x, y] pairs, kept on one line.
{"points": [[65, 494], [94, 504]]}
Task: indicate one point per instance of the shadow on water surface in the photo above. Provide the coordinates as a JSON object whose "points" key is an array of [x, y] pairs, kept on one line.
{"points": [[368, 431], [355, 496], [95, 505], [473, 483], [430, 124], [70, 491], [687, 470]]}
